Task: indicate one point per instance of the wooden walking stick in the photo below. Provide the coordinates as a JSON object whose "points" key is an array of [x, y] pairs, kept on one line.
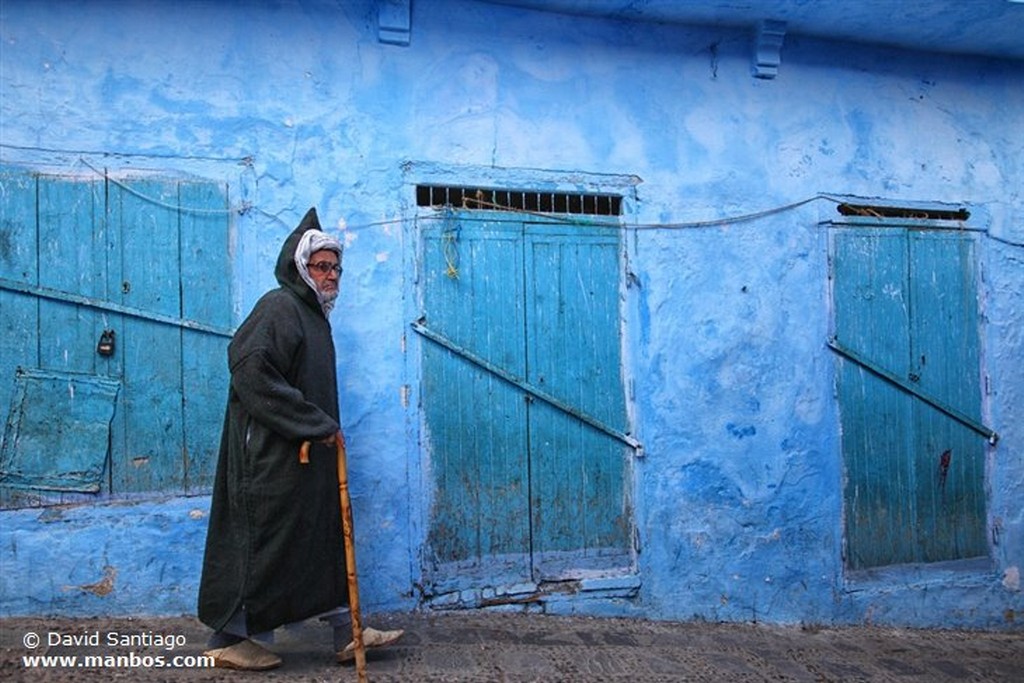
{"points": [[347, 531]]}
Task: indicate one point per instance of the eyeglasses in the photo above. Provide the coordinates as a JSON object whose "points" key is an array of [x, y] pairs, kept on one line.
{"points": [[324, 267]]}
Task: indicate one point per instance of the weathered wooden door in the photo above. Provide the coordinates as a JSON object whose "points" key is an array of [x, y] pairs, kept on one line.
{"points": [[906, 308], [523, 488], [117, 293], [580, 510]]}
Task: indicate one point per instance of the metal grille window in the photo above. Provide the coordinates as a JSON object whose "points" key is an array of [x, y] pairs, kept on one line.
{"points": [[538, 201], [918, 213]]}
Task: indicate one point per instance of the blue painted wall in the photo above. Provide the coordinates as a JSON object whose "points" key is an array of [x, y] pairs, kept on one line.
{"points": [[738, 496]]}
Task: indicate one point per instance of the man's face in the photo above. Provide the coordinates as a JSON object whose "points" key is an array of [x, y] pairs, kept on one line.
{"points": [[325, 271]]}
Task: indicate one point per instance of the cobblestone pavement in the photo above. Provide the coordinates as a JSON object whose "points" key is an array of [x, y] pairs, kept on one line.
{"points": [[502, 647]]}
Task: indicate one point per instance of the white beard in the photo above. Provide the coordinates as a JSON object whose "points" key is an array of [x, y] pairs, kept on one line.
{"points": [[327, 301]]}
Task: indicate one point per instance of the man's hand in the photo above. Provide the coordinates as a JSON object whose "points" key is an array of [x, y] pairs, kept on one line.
{"points": [[332, 440]]}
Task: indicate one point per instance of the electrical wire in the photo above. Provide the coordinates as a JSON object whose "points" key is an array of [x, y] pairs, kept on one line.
{"points": [[1003, 240], [125, 155], [156, 202], [245, 207], [689, 225], [732, 220]]}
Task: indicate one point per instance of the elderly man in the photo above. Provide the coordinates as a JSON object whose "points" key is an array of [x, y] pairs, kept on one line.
{"points": [[274, 548]]}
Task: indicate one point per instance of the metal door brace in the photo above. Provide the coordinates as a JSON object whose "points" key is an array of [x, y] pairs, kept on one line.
{"points": [[906, 386], [447, 343], [78, 299]]}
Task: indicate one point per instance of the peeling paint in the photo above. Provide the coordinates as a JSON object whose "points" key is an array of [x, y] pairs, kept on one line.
{"points": [[101, 588], [1011, 578]]}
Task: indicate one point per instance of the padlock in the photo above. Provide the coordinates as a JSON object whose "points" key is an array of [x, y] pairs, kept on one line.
{"points": [[105, 347]]}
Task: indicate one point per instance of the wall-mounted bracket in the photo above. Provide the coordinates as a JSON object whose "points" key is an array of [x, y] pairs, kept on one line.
{"points": [[768, 48], [394, 22]]}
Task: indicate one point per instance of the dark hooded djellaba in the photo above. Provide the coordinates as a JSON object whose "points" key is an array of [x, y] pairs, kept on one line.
{"points": [[274, 548]]}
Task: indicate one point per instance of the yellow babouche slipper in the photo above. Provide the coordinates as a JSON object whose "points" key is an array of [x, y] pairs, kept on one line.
{"points": [[245, 656], [372, 638]]}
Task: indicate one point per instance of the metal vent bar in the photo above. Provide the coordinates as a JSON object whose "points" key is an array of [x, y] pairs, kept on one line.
{"points": [[537, 201], [903, 212]]}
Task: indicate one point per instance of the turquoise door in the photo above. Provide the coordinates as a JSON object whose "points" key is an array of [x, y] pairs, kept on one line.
{"points": [[906, 306], [522, 488], [115, 306], [579, 505]]}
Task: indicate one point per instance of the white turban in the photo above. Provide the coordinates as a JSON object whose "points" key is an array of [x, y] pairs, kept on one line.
{"points": [[311, 242]]}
